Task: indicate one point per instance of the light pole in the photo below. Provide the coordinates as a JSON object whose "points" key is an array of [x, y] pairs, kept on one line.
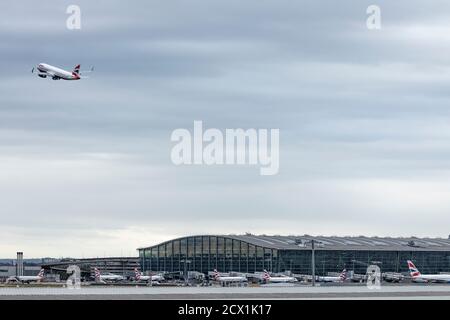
{"points": [[313, 259], [185, 269], [269, 264], [313, 263]]}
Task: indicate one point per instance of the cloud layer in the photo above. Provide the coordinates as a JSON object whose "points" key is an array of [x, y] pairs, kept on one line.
{"points": [[363, 115]]}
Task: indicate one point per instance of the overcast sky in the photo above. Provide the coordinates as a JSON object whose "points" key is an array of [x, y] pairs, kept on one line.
{"points": [[364, 121]]}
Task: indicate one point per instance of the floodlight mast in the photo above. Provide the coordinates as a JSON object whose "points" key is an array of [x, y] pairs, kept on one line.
{"points": [[313, 243]]}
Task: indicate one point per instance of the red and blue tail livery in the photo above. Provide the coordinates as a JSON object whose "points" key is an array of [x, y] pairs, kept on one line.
{"points": [[413, 271]]}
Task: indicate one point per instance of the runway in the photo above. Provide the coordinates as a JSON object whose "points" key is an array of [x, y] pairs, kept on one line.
{"points": [[192, 293]]}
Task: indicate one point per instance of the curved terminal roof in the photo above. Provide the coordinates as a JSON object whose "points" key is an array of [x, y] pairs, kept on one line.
{"points": [[338, 243]]}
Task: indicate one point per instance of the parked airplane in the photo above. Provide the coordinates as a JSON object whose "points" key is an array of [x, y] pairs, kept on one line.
{"points": [[341, 278], [45, 70], [27, 279], [418, 277], [110, 277], [140, 277], [278, 279], [228, 279]]}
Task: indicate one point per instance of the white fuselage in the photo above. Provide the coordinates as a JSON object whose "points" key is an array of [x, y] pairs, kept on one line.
{"points": [[28, 278], [231, 279], [110, 277], [46, 70], [281, 279], [432, 278], [329, 279], [151, 278]]}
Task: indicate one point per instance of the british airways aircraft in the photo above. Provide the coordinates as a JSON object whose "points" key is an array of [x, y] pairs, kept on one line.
{"points": [[27, 279], [341, 278], [227, 279], [44, 70], [416, 276], [140, 277], [279, 279], [110, 277]]}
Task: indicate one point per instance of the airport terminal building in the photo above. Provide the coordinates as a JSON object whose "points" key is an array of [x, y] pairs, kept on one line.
{"points": [[123, 266], [253, 253]]}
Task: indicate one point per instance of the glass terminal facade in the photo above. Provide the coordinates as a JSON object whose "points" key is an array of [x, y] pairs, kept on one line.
{"points": [[206, 253]]}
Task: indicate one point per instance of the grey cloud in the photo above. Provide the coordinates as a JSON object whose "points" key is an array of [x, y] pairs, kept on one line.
{"points": [[359, 112]]}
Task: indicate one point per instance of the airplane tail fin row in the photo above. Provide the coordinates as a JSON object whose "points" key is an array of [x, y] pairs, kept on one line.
{"points": [[413, 271]]}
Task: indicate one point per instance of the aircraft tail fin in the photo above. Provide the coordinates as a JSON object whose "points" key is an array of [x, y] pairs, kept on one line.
{"points": [[343, 275], [413, 271], [97, 274], [77, 69], [137, 274], [41, 274]]}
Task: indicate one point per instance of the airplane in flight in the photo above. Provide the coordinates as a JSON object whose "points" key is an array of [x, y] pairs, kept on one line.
{"points": [[154, 278], [278, 279], [418, 277], [341, 278], [27, 279], [44, 70], [228, 279], [110, 277]]}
